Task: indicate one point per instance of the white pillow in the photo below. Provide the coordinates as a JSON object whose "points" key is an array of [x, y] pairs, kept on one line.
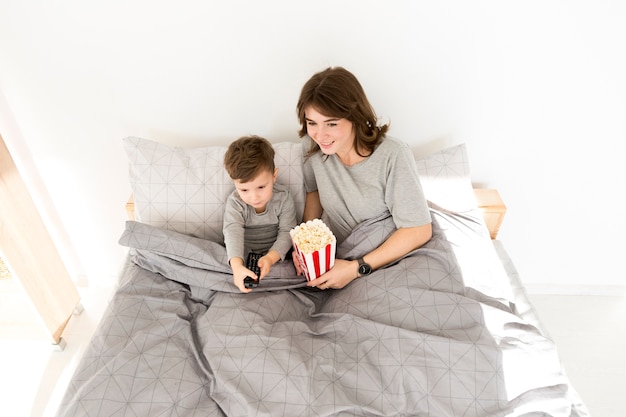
{"points": [[185, 189], [445, 179]]}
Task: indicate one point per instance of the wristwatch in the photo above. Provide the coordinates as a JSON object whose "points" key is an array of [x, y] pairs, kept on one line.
{"points": [[364, 268]]}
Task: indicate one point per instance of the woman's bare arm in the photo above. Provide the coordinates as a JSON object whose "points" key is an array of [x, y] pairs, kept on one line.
{"points": [[401, 242], [312, 206]]}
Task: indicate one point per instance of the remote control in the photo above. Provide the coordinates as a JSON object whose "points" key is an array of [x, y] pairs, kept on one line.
{"points": [[252, 264]]}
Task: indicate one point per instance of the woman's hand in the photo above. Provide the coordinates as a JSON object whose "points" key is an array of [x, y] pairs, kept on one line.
{"points": [[296, 263], [340, 275]]}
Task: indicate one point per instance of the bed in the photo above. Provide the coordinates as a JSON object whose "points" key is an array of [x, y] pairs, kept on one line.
{"points": [[446, 331]]}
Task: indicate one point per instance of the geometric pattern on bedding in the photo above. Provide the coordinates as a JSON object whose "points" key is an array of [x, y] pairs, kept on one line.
{"points": [[434, 334], [446, 180], [140, 360], [408, 339], [185, 189]]}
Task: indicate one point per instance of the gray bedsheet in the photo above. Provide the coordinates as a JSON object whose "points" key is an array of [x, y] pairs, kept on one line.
{"points": [[437, 333]]}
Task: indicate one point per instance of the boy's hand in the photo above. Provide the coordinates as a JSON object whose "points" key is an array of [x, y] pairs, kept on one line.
{"points": [[266, 261], [240, 272]]}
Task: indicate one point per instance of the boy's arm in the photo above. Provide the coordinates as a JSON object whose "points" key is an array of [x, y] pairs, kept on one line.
{"points": [[233, 228], [233, 240], [266, 261]]}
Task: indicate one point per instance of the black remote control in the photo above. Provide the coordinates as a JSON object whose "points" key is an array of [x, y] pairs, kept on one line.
{"points": [[252, 264]]}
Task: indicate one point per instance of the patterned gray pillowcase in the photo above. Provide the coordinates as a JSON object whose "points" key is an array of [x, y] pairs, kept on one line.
{"points": [[185, 189]]}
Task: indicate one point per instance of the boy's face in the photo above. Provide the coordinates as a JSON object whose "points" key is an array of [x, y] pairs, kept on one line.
{"points": [[257, 192]]}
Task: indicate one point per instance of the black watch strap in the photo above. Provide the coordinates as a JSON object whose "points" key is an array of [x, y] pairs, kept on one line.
{"points": [[364, 268]]}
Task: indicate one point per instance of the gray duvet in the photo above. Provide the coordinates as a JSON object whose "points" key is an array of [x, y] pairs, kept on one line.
{"points": [[437, 333]]}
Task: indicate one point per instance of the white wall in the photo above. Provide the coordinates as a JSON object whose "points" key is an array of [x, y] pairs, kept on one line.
{"points": [[537, 89]]}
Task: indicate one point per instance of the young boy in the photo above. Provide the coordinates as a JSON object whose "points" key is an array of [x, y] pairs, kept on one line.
{"points": [[260, 213]]}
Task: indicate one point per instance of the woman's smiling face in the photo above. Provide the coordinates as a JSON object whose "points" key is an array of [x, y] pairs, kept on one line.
{"points": [[333, 135]]}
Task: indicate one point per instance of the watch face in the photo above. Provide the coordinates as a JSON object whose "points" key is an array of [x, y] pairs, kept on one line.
{"points": [[365, 269]]}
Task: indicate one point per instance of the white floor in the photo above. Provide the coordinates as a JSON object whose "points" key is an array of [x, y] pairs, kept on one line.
{"points": [[590, 333], [33, 373]]}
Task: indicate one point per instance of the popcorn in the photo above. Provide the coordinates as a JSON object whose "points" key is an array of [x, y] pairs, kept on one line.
{"points": [[314, 245]]}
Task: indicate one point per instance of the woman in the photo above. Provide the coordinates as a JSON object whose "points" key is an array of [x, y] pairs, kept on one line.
{"points": [[354, 173]]}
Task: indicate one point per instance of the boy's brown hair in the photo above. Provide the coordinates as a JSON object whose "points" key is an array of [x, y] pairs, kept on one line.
{"points": [[247, 157]]}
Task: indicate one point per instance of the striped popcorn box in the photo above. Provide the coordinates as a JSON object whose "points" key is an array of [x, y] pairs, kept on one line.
{"points": [[314, 245]]}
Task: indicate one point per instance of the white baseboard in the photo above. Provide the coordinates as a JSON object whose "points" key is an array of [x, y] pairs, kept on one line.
{"points": [[564, 289]]}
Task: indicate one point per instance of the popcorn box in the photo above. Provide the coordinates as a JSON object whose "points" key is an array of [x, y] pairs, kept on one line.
{"points": [[315, 246]]}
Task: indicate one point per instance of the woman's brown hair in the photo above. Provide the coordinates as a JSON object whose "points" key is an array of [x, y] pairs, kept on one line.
{"points": [[336, 92]]}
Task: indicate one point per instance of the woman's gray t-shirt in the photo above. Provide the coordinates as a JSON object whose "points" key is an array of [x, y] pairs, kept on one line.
{"points": [[386, 181]]}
